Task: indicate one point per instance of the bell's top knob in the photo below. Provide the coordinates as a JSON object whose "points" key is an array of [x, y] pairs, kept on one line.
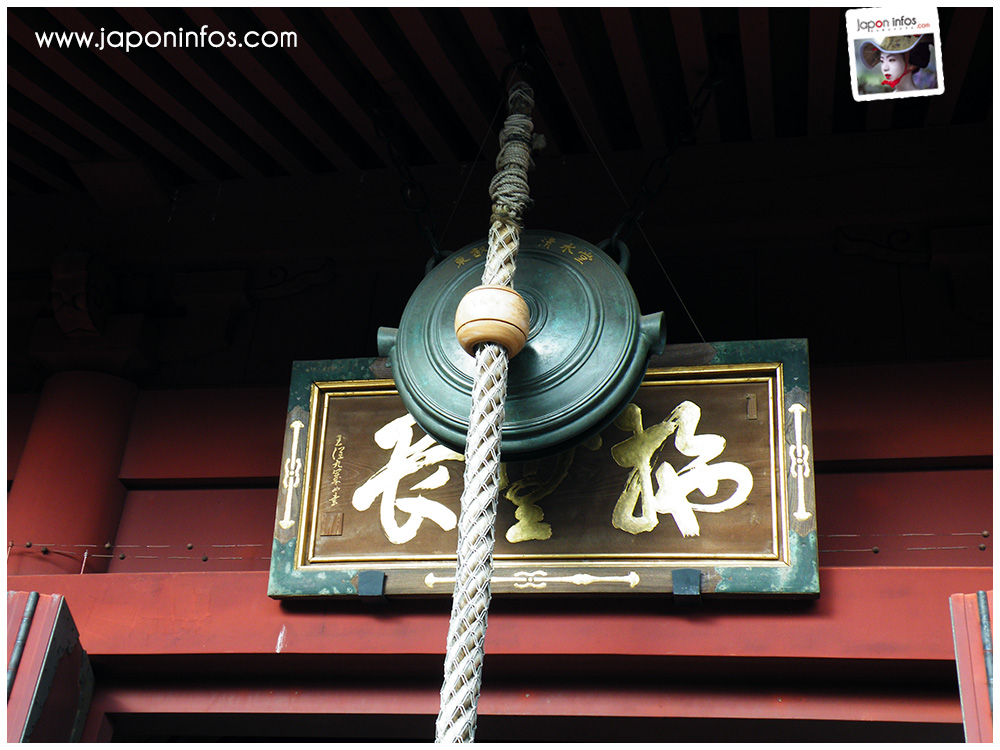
{"points": [[492, 314]]}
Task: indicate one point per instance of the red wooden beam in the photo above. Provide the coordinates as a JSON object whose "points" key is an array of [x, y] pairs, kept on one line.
{"points": [[977, 708], [192, 434], [533, 696], [863, 613], [185, 433], [911, 518], [868, 412], [52, 679]]}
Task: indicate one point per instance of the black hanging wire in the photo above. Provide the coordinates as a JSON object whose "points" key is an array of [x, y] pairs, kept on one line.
{"points": [[657, 173], [411, 190]]}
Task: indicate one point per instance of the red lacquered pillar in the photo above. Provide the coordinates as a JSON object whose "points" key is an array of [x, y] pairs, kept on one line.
{"points": [[66, 497]]}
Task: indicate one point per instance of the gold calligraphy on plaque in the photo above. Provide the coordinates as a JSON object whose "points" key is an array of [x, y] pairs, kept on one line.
{"points": [[673, 487], [336, 469], [648, 491], [406, 459], [526, 492]]}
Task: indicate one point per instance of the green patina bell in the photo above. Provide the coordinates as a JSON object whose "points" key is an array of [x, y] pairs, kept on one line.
{"points": [[584, 359]]}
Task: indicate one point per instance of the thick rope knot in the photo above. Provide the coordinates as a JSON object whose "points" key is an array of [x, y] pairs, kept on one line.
{"points": [[520, 99]]}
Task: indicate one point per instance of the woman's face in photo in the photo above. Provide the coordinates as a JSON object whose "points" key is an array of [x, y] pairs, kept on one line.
{"points": [[893, 65]]}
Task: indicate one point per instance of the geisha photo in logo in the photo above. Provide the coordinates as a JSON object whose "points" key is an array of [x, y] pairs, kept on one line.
{"points": [[896, 65]]}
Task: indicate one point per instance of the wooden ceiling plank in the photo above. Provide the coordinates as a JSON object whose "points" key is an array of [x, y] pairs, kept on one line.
{"points": [[412, 23], [43, 136], [183, 63], [275, 92], [119, 61], [317, 71], [632, 72], [40, 172], [55, 61], [954, 57], [354, 34], [66, 115], [756, 43], [484, 30], [555, 41], [15, 187], [824, 29], [690, 38]]}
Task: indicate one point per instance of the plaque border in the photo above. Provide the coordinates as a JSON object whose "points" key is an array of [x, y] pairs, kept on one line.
{"points": [[793, 570]]}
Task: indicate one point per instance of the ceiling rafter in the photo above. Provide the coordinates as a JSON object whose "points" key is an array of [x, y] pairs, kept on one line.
{"points": [[755, 39], [183, 63], [484, 30], [43, 136], [354, 34], [632, 72], [411, 22], [71, 18], [65, 114], [62, 67], [275, 92], [39, 172], [557, 46], [689, 35], [315, 69], [824, 29], [958, 48]]}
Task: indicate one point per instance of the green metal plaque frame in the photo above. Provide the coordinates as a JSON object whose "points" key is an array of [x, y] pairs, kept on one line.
{"points": [[702, 486]]}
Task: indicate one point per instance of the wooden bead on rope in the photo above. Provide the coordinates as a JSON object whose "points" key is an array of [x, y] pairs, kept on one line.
{"points": [[492, 314]]}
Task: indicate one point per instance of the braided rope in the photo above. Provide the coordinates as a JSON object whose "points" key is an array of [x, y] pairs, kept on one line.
{"points": [[456, 720]]}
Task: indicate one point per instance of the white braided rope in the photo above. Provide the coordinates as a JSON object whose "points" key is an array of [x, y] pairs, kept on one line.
{"points": [[456, 720]]}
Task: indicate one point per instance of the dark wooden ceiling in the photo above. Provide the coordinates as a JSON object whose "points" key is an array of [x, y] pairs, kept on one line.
{"points": [[608, 80], [287, 169]]}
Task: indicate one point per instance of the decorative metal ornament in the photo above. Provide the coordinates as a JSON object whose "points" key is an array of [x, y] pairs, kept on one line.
{"points": [[585, 356]]}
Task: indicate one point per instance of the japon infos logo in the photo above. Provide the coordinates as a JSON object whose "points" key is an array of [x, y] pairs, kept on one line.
{"points": [[894, 53]]}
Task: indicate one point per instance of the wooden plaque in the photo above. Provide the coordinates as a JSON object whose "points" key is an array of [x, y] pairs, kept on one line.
{"points": [[703, 485]]}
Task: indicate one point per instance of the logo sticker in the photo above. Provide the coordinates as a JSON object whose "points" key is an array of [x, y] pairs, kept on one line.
{"points": [[894, 53]]}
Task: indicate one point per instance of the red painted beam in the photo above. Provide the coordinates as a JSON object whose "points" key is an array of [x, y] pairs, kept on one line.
{"points": [[529, 697], [933, 518], [20, 412], [864, 613], [977, 709], [206, 433], [66, 490], [916, 410], [191, 433], [52, 678]]}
